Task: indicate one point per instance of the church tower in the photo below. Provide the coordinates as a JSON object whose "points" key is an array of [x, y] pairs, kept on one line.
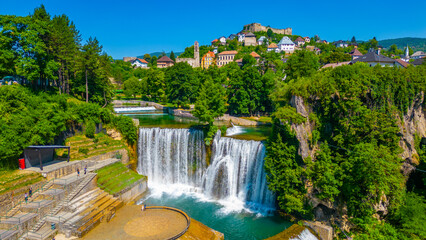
{"points": [[196, 54]]}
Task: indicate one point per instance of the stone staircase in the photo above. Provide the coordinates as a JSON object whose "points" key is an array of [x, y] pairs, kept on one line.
{"points": [[32, 220], [15, 209], [89, 177]]}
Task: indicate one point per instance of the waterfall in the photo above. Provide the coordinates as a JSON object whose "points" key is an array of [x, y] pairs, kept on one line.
{"points": [[175, 159]]}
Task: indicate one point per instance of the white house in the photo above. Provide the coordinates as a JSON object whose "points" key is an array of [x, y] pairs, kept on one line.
{"points": [[418, 55], [286, 45], [272, 47], [341, 44], [373, 59], [241, 37], [140, 63], [307, 39], [222, 40], [262, 40]]}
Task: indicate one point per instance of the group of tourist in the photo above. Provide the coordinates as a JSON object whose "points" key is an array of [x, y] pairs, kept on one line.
{"points": [[30, 193], [78, 171]]}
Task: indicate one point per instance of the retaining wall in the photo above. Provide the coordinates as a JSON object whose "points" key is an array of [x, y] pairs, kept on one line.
{"points": [[136, 190]]}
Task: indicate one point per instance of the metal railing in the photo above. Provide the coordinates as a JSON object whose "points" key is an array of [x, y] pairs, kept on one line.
{"points": [[19, 204], [15, 219], [8, 232], [41, 235]]}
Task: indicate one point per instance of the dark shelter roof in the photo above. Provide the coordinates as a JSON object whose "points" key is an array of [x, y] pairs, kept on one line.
{"points": [[47, 146]]}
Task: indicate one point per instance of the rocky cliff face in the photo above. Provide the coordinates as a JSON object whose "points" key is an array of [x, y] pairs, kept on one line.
{"points": [[412, 124], [303, 131]]}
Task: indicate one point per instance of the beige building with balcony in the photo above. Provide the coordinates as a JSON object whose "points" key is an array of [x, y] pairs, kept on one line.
{"points": [[225, 57]]}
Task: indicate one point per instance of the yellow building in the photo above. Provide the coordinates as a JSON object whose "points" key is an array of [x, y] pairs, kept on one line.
{"points": [[207, 60]]}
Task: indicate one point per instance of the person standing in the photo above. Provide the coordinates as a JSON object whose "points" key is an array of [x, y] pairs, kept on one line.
{"points": [[31, 191], [78, 172], [85, 170], [26, 198]]}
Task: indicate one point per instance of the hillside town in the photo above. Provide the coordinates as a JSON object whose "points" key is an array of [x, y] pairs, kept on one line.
{"points": [[263, 40]]}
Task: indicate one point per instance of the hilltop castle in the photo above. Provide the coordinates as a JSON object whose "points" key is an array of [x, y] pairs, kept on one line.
{"points": [[257, 27]]}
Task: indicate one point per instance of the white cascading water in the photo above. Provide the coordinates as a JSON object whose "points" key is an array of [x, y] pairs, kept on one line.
{"points": [[234, 130], [174, 160], [305, 235]]}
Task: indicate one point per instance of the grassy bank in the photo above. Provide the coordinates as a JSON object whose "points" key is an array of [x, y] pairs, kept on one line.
{"points": [[12, 180], [83, 147], [116, 177]]}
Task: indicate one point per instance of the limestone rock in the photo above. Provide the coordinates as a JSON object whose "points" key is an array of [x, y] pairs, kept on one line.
{"points": [[413, 122], [114, 134], [303, 131]]}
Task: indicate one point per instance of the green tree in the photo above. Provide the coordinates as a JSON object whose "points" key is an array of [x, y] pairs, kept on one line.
{"points": [[154, 61], [353, 40], [248, 60], [155, 85], [132, 87], [172, 56], [284, 174], [90, 61], [210, 102], [326, 174], [182, 85], [301, 64], [409, 216], [270, 33], [147, 57]]}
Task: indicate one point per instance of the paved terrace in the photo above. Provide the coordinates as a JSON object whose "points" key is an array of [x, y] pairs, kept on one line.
{"points": [[131, 223]]}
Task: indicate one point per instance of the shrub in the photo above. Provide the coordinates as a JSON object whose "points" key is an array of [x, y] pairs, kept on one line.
{"points": [[90, 129], [83, 150]]}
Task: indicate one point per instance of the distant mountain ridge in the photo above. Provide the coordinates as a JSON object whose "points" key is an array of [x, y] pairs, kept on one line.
{"points": [[159, 53], [417, 44]]}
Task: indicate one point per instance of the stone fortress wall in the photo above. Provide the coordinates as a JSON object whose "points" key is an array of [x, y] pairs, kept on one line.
{"points": [[257, 27]]}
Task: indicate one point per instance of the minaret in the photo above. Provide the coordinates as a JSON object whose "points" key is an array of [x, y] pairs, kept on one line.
{"points": [[407, 53], [196, 54]]}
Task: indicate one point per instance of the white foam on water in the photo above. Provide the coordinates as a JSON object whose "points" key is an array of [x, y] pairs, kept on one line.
{"points": [[235, 130], [305, 235], [134, 109]]}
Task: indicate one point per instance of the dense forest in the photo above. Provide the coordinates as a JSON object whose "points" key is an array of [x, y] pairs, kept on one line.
{"points": [[355, 167], [48, 52], [418, 44], [65, 83]]}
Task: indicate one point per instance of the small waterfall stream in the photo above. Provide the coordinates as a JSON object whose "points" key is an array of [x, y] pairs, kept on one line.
{"points": [[175, 158]]}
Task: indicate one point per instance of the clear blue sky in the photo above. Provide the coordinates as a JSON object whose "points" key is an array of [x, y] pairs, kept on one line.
{"points": [[135, 27]]}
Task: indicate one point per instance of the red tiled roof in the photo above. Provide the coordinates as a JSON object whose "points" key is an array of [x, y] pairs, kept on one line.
{"points": [[215, 41], [228, 53], [404, 64], [255, 55], [355, 52], [239, 60], [209, 54], [164, 59], [273, 45], [299, 39], [142, 60]]}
